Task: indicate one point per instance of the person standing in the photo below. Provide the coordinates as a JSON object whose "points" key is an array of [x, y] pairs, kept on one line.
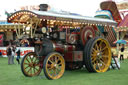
{"points": [[9, 53], [122, 50], [13, 53], [18, 55]]}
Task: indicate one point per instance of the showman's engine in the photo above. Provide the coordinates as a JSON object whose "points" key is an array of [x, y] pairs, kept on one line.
{"points": [[65, 41]]}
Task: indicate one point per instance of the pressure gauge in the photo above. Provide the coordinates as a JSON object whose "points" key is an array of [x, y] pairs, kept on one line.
{"points": [[44, 29]]}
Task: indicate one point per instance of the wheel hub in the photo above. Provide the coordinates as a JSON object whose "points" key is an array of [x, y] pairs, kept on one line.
{"points": [[32, 65], [55, 65], [99, 55]]}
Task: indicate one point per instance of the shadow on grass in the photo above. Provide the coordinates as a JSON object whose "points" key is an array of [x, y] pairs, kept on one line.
{"points": [[68, 73]]}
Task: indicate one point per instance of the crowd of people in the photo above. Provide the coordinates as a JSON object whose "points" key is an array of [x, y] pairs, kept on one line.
{"points": [[12, 50]]}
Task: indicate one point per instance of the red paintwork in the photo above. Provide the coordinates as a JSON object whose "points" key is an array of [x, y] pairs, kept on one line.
{"points": [[68, 56], [69, 51], [88, 30], [63, 48], [72, 56]]}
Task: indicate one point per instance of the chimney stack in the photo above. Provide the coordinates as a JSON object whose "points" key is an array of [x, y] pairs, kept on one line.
{"points": [[43, 7]]}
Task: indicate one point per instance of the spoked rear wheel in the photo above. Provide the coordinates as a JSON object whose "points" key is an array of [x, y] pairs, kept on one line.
{"points": [[30, 65], [98, 57], [54, 66]]}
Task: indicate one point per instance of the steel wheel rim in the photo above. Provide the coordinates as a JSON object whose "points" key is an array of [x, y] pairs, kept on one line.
{"points": [[101, 55], [31, 65], [55, 66]]}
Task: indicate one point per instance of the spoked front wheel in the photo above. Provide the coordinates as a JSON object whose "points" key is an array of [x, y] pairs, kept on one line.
{"points": [[30, 65], [54, 66]]}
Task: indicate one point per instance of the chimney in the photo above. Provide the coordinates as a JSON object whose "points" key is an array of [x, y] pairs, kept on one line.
{"points": [[43, 7]]}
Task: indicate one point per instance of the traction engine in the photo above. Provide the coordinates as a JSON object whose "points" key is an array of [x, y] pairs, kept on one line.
{"points": [[64, 41]]}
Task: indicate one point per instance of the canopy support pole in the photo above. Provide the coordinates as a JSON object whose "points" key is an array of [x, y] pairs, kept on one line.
{"points": [[117, 45]]}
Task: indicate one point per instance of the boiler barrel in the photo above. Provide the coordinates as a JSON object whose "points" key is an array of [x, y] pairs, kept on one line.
{"points": [[59, 47], [49, 46]]}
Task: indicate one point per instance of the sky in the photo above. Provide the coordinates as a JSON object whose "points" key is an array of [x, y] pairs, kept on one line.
{"points": [[83, 7]]}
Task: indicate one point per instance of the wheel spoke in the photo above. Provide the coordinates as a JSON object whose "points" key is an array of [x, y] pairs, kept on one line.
{"points": [[35, 59], [55, 72], [103, 62], [56, 59], [100, 45], [105, 56], [26, 63], [93, 59], [50, 71], [59, 69], [59, 64], [103, 53], [99, 66], [97, 47], [36, 69], [104, 48], [26, 67], [29, 70], [51, 61], [49, 66], [37, 64], [92, 55], [94, 65], [27, 60], [94, 50], [31, 58]]}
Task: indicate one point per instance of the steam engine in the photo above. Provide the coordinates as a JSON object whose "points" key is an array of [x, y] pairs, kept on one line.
{"points": [[72, 42]]}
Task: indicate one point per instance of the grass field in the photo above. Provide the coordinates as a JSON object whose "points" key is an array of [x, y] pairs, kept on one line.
{"points": [[12, 75]]}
